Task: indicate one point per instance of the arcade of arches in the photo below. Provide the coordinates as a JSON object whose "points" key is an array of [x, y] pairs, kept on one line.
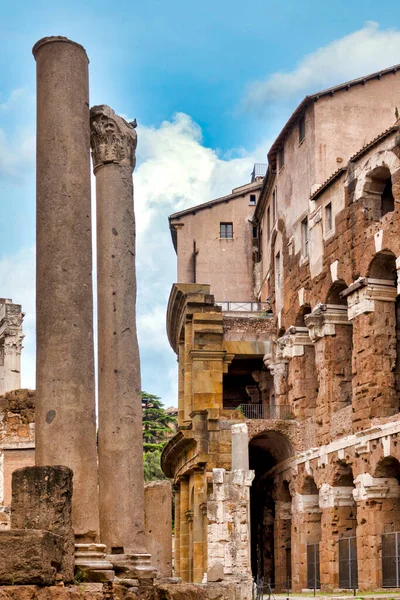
{"points": [[317, 381]]}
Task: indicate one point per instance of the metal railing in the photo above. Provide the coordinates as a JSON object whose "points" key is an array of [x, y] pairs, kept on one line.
{"points": [[244, 306], [266, 411]]}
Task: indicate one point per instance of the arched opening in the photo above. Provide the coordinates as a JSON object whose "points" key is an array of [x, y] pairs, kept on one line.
{"points": [[379, 199], [388, 467], [383, 266], [308, 530], [333, 296], [387, 473], [304, 310], [309, 487], [385, 326], [270, 507]]}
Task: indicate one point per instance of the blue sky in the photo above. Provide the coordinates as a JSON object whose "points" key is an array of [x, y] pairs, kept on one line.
{"points": [[210, 84]]}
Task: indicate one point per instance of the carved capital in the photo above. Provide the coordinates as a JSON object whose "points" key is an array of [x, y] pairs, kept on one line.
{"points": [[375, 488], [113, 140], [324, 318], [293, 341]]}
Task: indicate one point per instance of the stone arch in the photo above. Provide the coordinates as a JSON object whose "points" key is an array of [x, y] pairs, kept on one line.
{"points": [[342, 475], [371, 174], [270, 515], [333, 295], [383, 266], [304, 310], [309, 487], [388, 467]]}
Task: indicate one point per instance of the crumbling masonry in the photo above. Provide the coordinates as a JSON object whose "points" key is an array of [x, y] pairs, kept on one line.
{"points": [[298, 336]]}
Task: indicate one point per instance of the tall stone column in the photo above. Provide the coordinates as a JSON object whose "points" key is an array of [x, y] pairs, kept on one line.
{"points": [[121, 480], [65, 410]]}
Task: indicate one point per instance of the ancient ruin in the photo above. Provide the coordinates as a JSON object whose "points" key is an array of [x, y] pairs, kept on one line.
{"points": [[285, 318]]}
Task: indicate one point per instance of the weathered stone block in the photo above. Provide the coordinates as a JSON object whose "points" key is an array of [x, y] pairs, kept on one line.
{"points": [[29, 557], [158, 525], [42, 499], [182, 591]]}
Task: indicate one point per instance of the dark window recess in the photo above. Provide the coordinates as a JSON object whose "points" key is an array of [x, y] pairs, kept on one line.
{"points": [[302, 129], [255, 233], [253, 199], [226, 231], [387, 199]]}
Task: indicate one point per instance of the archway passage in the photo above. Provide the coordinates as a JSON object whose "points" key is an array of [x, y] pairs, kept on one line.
{"points": [[270, 507], [378, 191]]}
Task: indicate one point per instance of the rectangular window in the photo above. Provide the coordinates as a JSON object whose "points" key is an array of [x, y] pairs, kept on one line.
{"points": [[302, 129], [304, 237], [226, 231], [281, 158], [278, 271], [255, 233], [253, 199], [268, 222], [274, 204], [328, 217]]}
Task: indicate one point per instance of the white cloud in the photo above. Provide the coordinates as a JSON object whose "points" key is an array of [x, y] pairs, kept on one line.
{"points": [[17, 155], [360, 53], [12, 100], [175, 171]]}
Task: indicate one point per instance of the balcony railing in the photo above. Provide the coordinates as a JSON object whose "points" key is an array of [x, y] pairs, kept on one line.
{"points": [[266, 411], [245, 306]]}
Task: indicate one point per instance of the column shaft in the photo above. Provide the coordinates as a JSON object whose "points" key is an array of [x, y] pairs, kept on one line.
{"points": [[65, 410], [120, 406]]}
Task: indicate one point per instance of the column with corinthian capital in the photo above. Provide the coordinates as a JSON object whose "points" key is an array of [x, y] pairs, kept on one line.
{"points": [[121, 478]]}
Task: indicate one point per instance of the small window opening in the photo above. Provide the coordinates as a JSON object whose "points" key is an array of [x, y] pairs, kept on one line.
{"points": [[387, 199], [304, 237], [268, 223], [253, 199], [328, 217], [275, 204], [281, 158], [226, 231], [255, 233], [278, 270], [302, 129]]}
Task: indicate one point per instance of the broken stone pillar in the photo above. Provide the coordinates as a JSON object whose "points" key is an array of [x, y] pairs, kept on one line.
{"points": [[158, 524], [240, 447], [371, 306], [184, 529], [229, 530], [121, 480], [41, 499], [65, 411], [11, 317]]}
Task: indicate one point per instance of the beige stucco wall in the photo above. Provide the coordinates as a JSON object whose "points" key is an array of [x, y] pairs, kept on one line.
{"points": [[225, 264], [337, 127], [350, 119]]}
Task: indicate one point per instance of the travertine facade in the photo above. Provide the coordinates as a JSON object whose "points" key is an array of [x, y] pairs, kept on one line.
{"points": [[309, 359]]}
